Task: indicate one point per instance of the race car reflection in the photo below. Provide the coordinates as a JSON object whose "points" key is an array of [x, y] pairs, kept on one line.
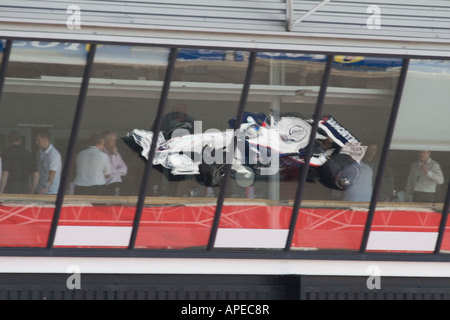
{"points": [[262, 146]]}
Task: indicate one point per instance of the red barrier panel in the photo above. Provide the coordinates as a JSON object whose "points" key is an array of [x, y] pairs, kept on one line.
{"points": [[25, 225], [189, 226]]}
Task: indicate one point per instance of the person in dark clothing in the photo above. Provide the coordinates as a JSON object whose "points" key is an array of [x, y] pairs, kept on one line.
{"points": [[17, 166]]}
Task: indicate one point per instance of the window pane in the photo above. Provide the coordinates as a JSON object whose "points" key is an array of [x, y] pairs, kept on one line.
{"points": [[356, 112], [36, 113], [418, 164], [258, 207], [106, 175], [204, 94]]}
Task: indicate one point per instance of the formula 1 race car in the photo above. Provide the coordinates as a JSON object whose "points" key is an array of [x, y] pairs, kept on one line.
{"points": [[261, 147]]}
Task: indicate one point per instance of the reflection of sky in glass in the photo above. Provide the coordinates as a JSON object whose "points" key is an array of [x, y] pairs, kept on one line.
{"points": [[75, 53], [430, 66], [425, 96]]}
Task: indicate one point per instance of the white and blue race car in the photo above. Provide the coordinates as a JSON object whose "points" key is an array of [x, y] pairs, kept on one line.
{"points": [[262, 146]]}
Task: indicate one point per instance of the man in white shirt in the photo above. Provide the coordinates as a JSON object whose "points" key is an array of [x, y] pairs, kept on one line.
{"points": [[93, 168], [424, 176]]}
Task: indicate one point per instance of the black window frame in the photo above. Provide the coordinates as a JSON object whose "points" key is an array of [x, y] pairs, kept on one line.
{"points": [[209, 251]]}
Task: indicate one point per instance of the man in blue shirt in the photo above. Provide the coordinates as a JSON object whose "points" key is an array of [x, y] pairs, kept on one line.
{"points": [[49, 165]]}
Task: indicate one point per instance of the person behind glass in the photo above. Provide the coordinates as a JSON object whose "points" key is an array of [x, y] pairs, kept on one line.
{"points": [[118, 166], [17, 167], [387, 183], [424, 176], [93, 168], [49, 165], [361, 190]]}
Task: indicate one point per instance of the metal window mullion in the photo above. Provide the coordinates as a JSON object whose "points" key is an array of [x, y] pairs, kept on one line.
{"points": [[72, 142], [309, 151], [4, 65], [384, 155], [227, 168], [443, 222], [156, 129]]}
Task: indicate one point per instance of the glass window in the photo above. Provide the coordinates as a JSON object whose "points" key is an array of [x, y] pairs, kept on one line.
{"points": [[351, 132], [270, 145], [36, 113], [204, 94], [124, 92], [407, 218]]}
